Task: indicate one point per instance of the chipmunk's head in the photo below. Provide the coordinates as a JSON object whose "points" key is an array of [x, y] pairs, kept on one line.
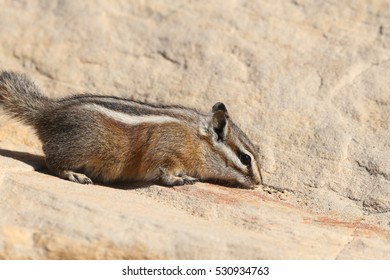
{"points": [[234, 157]]}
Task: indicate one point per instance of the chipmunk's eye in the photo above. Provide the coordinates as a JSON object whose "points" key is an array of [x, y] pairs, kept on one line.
{"points": [[245, 159]]}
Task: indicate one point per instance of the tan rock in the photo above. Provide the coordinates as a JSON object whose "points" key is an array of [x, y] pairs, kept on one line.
{"points": [[308, 81]]}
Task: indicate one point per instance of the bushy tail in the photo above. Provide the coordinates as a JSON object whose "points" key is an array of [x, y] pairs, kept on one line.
{"points": [[20, 97]]}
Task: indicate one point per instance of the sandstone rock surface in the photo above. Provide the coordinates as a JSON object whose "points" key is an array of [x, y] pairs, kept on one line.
{"points": [[307, 80]]}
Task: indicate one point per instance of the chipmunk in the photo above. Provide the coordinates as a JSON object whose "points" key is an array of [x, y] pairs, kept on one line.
{"points": [[106, 138]]}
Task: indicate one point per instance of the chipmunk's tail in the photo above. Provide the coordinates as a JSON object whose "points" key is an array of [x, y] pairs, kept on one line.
{"points": [[20, 97]]}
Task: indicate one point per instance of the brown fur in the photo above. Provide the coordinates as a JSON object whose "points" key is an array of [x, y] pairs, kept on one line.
{"points": [[108, 138]]}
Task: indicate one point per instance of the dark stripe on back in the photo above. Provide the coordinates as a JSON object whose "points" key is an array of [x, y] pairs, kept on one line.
{"points": [[135, 108]]}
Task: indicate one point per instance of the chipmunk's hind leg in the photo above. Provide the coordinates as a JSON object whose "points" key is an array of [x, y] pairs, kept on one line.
{"points": [[68, 174], [74, 177]]}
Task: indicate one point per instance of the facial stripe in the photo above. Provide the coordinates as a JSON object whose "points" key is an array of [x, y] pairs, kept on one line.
{"points": [[241, 144], [236, 172], [255, 172], [229, 153], [129, 119]]}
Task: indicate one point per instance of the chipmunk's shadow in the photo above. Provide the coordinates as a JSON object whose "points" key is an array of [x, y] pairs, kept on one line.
{"points": [[38, 163], [35, 161], [126, 185]]}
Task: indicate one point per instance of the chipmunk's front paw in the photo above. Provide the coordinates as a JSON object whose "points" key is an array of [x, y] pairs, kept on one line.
{"points": [[190, 180], [172, 180]]}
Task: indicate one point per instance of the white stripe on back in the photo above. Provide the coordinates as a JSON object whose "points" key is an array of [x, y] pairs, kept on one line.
{"points": [[179, 111], [129, 119]]}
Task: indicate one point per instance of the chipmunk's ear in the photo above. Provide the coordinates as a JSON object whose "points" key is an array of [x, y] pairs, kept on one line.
{"points": [[219, 106], [219, 121]]}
